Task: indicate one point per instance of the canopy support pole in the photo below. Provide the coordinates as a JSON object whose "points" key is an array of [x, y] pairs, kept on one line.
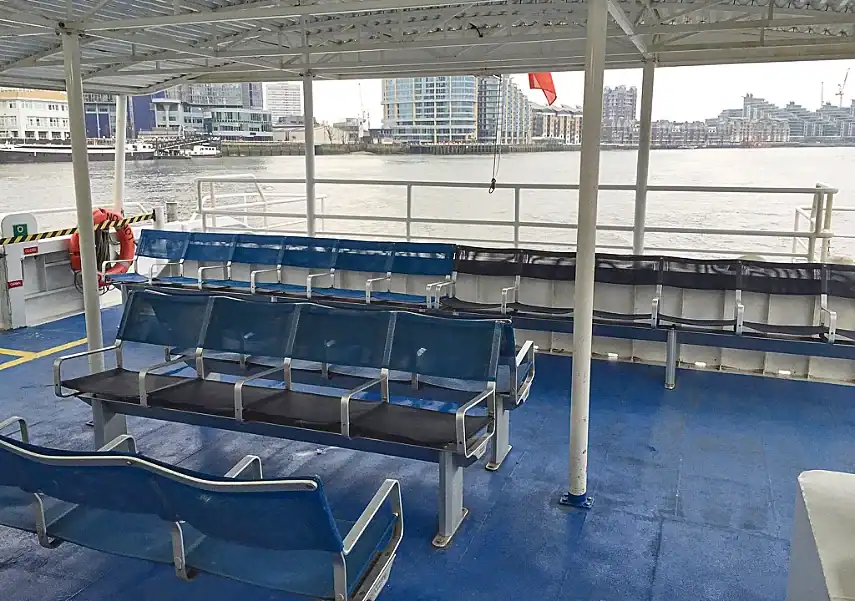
{"points": [[121, 139], [586, 243], [644, 135], [309, 127], [108, 425]]}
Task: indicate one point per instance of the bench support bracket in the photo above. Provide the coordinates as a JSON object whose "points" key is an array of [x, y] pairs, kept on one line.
{"points": [[501, 439], [451, 510]]}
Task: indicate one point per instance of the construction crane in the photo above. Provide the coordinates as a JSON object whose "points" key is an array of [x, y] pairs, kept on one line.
{"points": [[841, 88]]}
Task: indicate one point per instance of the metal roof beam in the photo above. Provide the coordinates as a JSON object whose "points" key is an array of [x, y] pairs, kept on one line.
{"points": [[236, 14], [823, 18], [626, 25]]}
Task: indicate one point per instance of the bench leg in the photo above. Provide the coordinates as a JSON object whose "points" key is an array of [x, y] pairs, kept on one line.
{"points": [[501, 446], [451, 510], [672, 357], [108, 425]]}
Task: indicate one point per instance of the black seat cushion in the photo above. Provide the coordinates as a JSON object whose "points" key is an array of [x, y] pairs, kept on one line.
{"points": [[302, 410], [412, 425], [117, 384]]}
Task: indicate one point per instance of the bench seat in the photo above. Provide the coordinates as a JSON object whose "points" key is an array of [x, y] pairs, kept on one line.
{"points": [[369, 419], [278, 534]]}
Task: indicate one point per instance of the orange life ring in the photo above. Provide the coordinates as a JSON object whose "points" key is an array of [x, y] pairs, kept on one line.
{"points": [[127, 245]]}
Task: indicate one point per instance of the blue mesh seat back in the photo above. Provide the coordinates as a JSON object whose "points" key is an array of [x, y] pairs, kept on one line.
{"points": [[121, 488], [364, 255], [414, 258], [160, 319], [355, 338], [452, 348], [248, 327], [508, 348], [254, 249], [276, 520], [162, 244], [311, 253], [210, 247]]}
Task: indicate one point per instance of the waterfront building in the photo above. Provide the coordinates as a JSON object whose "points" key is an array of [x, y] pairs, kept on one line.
{"points": [[100, 115], [620, 103], [502, 106], [225, 111], [283, 100], [431, 110], [556, 123], [33, 115]]}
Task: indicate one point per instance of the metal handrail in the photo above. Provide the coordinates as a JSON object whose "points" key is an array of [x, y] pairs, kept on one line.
{"points": [[804, 242]]}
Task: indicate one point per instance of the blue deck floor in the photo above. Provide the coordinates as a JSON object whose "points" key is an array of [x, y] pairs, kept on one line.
{"points": [[693, 489]]}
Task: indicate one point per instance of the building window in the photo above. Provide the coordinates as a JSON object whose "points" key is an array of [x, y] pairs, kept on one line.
{"points": [[43, 135], [57, 135], [29, 134]]}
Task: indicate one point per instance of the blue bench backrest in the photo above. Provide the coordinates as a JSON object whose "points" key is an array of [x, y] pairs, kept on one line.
{"points": [[417, 258], [173, 320], [278, 520], [362, 255], [241, 515], [311, 253], [249, 327], [355, 337], [255, 249], [204, 246], [162, 244], [462, 349], [109, 487]]}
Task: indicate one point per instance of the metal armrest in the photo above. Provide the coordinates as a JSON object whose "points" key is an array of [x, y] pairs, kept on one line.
{"points": [[224, 267], [253, 276], [57, 366], [505, 292], [330, 274], [389, 488], [383, 380], [248, 468], [125, 440], [116, 262], [155, 266], [369, 284], [144, 372], [832, 322], [437, 287], [238, 390], [22, 426], [654, 307], [460, 417], [526, 352]]}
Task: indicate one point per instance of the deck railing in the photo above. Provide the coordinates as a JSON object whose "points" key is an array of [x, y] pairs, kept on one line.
{"points": [[266, 208]]}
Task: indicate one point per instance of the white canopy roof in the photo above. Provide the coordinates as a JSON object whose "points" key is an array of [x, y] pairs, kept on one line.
{"points": [[142, 46]]}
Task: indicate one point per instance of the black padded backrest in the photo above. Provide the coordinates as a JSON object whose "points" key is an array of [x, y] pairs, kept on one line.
{"points": [[701, 274], [548, 265], [173, 320], [627, 270], [474, 260], [782, 278], [840, 280]]}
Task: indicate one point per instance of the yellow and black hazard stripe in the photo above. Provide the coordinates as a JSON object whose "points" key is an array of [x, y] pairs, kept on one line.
{"points": [[71, 230]]}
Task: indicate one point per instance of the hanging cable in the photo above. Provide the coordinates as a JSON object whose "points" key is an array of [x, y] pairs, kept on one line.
{"points": [[497, 152]]}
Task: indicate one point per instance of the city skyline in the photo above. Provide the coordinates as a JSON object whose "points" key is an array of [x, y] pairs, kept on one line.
{"points": [[680, 93]]}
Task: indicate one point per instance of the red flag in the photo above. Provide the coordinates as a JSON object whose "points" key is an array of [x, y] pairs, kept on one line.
{"points": [[543, 81]]}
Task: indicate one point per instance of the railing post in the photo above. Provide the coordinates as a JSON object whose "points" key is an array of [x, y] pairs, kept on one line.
{"points": [[816, 224], [517, 217], [409, 211], [309, 129], [213, 208], [119, 166], [643, 166], [796, 222], [826, 227]]}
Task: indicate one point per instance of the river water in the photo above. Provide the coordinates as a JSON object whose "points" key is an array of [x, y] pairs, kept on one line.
{"points": [[51, 185]]}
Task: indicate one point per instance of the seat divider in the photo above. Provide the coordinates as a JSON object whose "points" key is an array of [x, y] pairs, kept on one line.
{"points": [[248, 468], [179, 556]]}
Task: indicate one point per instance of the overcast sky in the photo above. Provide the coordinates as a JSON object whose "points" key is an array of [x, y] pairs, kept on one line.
{"points": [[681, 93]]}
